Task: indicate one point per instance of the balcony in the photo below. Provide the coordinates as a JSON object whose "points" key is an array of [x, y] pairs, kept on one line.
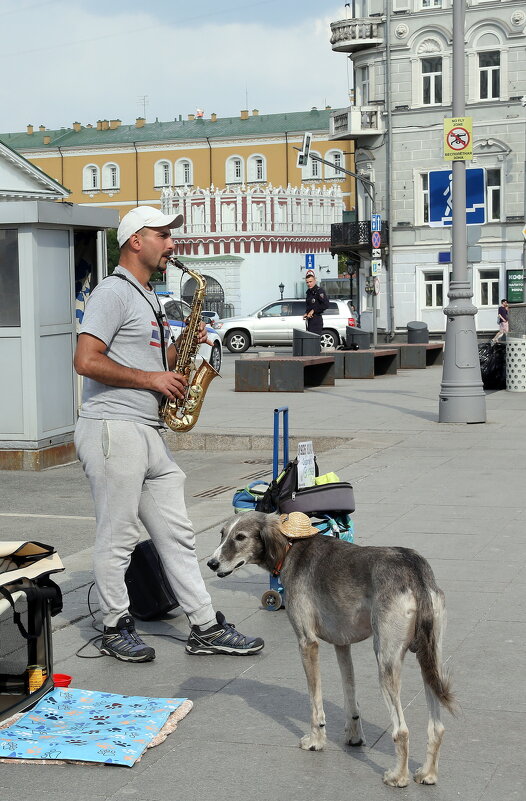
{"points": [[354, 236], [356, 122], [352, 35]]}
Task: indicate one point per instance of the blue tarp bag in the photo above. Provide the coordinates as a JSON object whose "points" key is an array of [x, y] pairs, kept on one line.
{"points": [[245, 499]]}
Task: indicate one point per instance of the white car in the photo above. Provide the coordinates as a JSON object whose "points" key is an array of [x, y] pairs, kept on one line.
{"points": [[273, 325], [177, 311]]}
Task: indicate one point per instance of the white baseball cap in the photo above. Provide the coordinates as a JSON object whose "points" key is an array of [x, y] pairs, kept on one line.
{"points": [[145, 217]]}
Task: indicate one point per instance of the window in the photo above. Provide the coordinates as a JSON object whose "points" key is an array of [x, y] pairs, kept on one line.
{"points": [[431, 3], [493, 195], [91, 178], [110, 178], [184, 172], [257, 168], [431, 80], [489, 287], [362, 86], [489, 75], [234, 170], [424, 198], [336, 157], [312, 169], [275, 310], [10, 295], [163, 174], [434, 289]]}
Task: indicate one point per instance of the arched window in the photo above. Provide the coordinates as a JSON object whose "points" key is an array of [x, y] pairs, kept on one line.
{"points": [[257, 168], [235, 170], [487, 65], [110, 178], [162, 174], [91, 178], [430, 71], [336, 157], [312, 170], [184, 173]]}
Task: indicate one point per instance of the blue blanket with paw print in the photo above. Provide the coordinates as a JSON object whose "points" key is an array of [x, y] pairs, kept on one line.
{"points": [[88, 726]]}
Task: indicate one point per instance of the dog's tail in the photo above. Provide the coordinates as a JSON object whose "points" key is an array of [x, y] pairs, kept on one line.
{"points": [[430, 620]]}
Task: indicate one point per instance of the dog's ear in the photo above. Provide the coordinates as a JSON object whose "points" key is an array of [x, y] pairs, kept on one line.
{"points": [[272, 539]]}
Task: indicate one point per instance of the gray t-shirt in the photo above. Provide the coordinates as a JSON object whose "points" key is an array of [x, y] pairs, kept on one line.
{"points": [[118, 315]]}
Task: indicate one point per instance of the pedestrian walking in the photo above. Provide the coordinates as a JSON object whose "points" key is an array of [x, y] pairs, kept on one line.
{"points": [[316, 302], [503, 320]]}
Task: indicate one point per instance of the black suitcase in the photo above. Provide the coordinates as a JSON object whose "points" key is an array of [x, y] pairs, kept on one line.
{"points": [[149, 590]]}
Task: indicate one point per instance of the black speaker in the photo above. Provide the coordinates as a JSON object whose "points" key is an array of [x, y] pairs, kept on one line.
{"points": [[149, 590]]}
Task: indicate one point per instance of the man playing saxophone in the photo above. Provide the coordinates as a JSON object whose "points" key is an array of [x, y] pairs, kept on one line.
{"points": [[124, 356]]}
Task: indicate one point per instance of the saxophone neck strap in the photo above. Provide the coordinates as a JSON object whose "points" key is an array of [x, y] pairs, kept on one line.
{"points": [[158, 313]]}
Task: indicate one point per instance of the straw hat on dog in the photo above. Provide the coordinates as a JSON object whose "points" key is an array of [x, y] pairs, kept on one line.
{"points": [[296, 526]]}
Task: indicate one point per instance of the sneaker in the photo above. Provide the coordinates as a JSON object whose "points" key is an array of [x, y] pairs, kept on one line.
{"points": [[221, 638], [123, 642]]}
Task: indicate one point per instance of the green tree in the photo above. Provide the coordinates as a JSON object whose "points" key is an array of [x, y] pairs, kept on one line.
{"points": [[112, 249]]}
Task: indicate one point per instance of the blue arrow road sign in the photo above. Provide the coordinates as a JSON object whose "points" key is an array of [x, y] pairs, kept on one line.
{"points": [[440, 204], [376, 222], [309, 261]]}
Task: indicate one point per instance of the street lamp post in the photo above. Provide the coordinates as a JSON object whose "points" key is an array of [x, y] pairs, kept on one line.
{"points": [[461, 398], [281, 288]]}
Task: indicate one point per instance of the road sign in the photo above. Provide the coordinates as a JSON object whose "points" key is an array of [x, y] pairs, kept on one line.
{"points": [[376, 285], [376, 266], [309, 261], [524, 232], [376, 239], [303, 155], [376, 222], [458, 138], [376, 253], [440, 203]]}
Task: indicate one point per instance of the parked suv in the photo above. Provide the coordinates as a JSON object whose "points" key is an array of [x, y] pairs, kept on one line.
{"points": [[273, 325]]}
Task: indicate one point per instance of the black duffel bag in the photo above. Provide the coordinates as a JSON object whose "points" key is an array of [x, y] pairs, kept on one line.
{"points": [[335, 498]]}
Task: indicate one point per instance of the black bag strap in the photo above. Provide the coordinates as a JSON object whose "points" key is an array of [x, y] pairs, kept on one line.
{"points": [[159, 315], [16, 615]]}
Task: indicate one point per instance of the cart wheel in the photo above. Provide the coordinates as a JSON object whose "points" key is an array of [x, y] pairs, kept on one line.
{"points": [[271, 600]]}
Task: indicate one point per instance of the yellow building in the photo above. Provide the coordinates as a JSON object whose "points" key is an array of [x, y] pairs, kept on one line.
{"points": [[121, 166]]}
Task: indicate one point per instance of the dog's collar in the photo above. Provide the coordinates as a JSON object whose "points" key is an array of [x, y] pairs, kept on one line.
{"points": [[279, 565]]}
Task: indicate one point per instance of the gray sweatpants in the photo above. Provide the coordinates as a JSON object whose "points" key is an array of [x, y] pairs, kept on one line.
{"points": [[134, 477]]}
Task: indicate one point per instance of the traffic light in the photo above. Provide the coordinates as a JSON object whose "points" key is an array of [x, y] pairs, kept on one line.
{"points": [[303, 155]]}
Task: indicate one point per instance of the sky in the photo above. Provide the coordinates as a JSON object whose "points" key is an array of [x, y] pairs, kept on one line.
{"points": [[65, 61]]}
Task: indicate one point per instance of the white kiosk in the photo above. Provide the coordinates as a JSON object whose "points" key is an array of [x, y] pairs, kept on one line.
{"points": [[47, 250]]}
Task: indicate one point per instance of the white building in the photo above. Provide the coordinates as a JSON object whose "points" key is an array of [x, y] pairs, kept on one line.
{"points": [[401, 54], [247, 240]]}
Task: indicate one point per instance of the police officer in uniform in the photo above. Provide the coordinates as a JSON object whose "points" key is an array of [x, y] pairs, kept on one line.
{"points": [[316, 302]]}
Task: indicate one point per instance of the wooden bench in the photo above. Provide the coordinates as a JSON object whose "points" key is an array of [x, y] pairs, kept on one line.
{"points": [[419, 355], [366, 363], [284, 373]]}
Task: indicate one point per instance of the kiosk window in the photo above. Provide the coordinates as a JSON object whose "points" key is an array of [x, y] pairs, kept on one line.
{"points": [[9, 279]]}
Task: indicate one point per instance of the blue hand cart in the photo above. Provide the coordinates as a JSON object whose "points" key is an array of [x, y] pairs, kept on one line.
{"points": [[274, 598]]}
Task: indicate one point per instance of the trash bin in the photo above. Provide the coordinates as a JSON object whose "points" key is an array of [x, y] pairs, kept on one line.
{"points": [[516, 363], [357, 338], [417, 333], [305, 343]]}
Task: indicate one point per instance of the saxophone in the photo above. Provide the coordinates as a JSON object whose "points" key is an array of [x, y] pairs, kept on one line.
{"points": [[181, 414]]}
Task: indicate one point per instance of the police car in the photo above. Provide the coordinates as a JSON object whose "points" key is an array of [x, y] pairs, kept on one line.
{"points": [[177, 311]]}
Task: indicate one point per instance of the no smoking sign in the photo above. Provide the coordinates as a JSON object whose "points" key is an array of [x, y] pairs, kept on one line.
{"points": [[458, 135]]}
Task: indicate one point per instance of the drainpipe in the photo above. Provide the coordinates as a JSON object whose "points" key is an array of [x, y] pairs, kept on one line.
{"points": [[389, 172], [286, 158], [61, 165], [136, 174], [209, 161]]}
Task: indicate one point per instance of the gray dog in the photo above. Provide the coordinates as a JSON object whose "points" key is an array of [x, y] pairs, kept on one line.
{"points": [[344, 593]]}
